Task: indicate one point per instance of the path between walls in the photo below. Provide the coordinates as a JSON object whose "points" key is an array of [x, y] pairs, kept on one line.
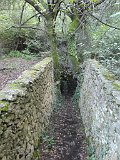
{"points": [[65, 139]]}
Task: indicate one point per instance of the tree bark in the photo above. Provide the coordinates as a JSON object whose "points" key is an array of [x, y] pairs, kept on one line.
{"points": [[71, 44], [53, 46], [72, 51]]}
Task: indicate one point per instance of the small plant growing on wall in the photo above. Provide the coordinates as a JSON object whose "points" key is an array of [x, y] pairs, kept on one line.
{"points": [[48, 141], [90, 150]]}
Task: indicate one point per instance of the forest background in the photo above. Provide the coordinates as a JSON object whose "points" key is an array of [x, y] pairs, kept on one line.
{"points": [[70, 30]]}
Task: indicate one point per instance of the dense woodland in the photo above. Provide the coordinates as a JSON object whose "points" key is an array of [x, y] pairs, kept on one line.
{"points": [[70, 30]]}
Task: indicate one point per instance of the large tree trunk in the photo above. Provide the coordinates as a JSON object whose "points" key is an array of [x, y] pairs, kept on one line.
{"points": [[72, 51], [71, 44], [53, 46]]}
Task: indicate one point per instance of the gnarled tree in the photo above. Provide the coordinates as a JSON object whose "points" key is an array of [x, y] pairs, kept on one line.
{"points": [[49, 10]]}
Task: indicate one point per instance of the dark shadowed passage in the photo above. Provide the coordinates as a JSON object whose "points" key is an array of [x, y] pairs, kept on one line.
{"points": [[68, 84]]}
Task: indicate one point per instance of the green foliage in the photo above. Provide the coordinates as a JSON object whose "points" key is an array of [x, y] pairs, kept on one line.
{"points": [[116, 86], [18, 54], [72, 51], [37, 43], [91, 158], [49, 141], [73, 25], [109, 76], [99, 32], [62, 24], [35, 154], [5, 106], [15, 54], [13, 38], [94, 1], [90, 150], [105, 41], [71, 1]]}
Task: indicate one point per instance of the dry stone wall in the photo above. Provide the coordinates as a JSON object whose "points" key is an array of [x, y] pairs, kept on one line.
{"points": [[25, 108], [100, 109]]}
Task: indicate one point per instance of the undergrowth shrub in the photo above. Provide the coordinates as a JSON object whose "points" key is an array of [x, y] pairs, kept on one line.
{"points": [[19, 54], [13, 39], [37, 43], [24, 40]]}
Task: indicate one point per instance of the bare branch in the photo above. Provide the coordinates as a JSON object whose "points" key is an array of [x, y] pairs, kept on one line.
{"points": [[57, 7], [98, 3], [29, 19], [28, 27], [104, 22], [35, 6], [23, 7], [81, 21]]}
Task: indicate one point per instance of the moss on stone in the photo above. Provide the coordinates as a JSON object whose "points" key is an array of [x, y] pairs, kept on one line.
{"points": [[35, 155], [4, 106], [42, 63], [14, 86], [116, 86], [109, 76], [26, 77]]}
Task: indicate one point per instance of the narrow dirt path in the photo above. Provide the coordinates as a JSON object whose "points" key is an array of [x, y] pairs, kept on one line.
{"points": [[65, 139]]}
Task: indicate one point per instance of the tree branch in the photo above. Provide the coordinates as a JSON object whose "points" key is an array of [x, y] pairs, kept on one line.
{"points": [[98, 3], [23, 7], [104, 22], [28, 27], [35, 6], [29, 19]]}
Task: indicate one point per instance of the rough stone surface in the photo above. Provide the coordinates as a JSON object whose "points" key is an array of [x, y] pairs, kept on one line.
{"points": [[100, 109], [25, 108]]}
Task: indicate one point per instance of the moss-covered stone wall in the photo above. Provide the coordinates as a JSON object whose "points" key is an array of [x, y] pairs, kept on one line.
{"points": [[100, 109], [25, 108]]}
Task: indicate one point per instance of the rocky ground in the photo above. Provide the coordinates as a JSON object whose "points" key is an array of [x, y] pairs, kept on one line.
{"points": [[65, 139], [11, 68]]}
